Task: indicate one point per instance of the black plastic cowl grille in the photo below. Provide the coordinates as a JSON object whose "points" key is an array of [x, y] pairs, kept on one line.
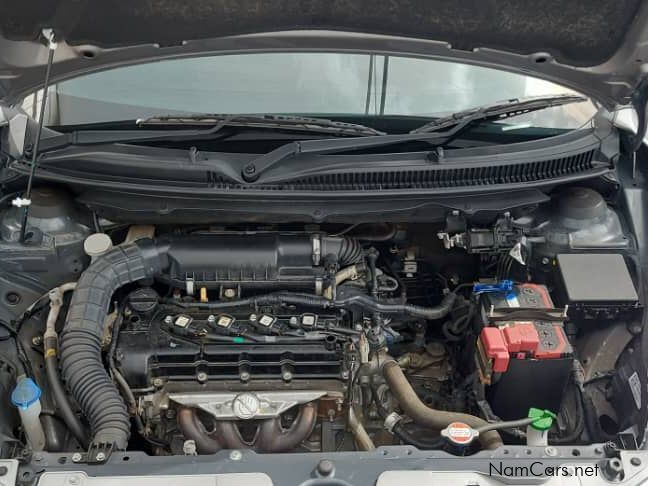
{"points": [[435, 177]]}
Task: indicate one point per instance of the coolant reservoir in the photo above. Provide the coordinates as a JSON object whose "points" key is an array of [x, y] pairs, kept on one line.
{"points": [[26, 396]]}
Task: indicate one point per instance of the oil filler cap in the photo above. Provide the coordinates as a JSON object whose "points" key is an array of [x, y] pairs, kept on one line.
{"points": [[459, 434]]}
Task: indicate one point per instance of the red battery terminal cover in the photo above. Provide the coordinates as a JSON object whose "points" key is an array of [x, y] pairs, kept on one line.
{"points": [[500, 343], [526, 340]]}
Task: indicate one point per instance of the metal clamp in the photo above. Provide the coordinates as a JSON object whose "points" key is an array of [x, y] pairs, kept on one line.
{"points": [[50, 37]]}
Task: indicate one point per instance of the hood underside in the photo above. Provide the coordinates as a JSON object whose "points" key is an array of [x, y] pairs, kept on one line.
{"points": [[597, 47]]}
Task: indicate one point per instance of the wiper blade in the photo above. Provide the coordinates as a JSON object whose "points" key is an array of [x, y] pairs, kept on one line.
{"points": [[215, 123], [498, 111], [95, 137], [432, 132], [288, 122]]}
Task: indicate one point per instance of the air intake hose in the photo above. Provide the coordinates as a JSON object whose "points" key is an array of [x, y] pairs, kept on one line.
{"points": [[81, 363]]}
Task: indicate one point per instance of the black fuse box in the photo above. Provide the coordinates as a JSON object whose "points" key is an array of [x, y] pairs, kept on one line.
{"points": [[596, 283]]}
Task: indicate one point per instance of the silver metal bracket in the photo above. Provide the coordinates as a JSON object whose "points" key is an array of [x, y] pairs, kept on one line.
{"points": [[246, 405]]}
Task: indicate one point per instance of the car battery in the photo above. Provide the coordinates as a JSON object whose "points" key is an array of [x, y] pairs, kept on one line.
{"points": [[523, 355]]}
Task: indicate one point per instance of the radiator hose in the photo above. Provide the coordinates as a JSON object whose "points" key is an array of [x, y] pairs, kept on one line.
{"points": [[430, 418], [82, 368]]}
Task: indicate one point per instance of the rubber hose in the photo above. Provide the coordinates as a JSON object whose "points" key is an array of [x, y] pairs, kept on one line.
{"points": [[311, 300], [359, 432], [509, 424], [427, 417], [60, 397], [54, 440], [431, 313], [348, 252], [575, 434], [81, 363], [404, 435]]}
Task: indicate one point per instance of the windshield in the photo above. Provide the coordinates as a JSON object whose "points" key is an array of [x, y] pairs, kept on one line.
{"points": [[326, 84]]}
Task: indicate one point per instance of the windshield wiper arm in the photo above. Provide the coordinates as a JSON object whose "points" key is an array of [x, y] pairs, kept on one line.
{"points": [[288, 122], [255, 168], [433, 132], [498, 111], [215, 123]]}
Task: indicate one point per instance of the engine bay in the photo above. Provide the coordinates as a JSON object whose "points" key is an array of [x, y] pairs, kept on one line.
{"points": [[466, 334]]}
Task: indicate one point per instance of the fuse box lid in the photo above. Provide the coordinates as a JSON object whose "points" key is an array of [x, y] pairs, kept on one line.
{"points": [[595, 279]]}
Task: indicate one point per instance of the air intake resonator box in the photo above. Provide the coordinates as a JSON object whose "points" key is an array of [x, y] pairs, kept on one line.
{"points": [[258, 260]]}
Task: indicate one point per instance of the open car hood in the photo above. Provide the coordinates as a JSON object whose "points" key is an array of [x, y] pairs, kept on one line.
{"points": [[597, 47]]}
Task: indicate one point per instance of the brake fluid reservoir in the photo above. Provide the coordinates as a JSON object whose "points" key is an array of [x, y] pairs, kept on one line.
{"points": [[26, 396]]}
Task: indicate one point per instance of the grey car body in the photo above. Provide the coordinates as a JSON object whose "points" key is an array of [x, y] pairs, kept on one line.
{"points": [[597, 48]]}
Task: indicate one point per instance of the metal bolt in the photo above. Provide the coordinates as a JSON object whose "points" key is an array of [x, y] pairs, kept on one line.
{"points": [[613, 468], [325, 467], [339, 402], [100, 456], [545, 261], [168, 319], [253, 317], [37, 340], [609, 448], [158, 382], [202, 377], [287, 376], [635, 461], [358, 327], [244, 376], [211, 318], [236, 455], [189, 448], [77, 457], [551, 451], [229, 293], [293, 321], [73, 480], [344, 375]]}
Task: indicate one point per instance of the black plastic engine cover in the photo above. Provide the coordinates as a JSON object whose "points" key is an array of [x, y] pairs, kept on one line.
{"points": [[239, 258]]}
